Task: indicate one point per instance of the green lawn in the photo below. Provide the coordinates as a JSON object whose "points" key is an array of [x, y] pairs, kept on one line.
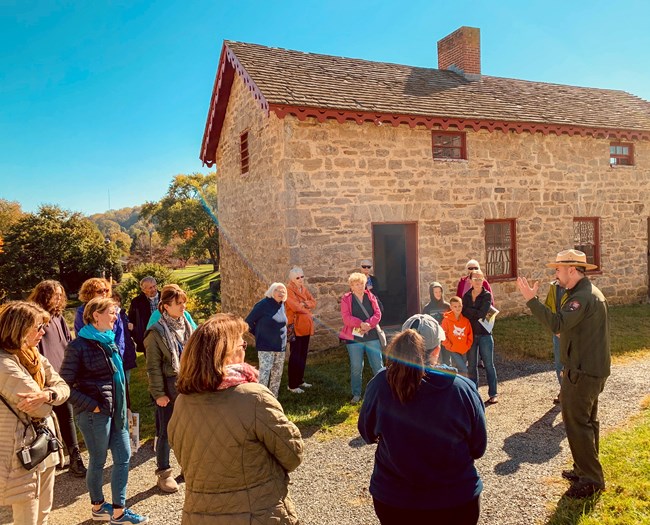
{"points": [[196, 278]]}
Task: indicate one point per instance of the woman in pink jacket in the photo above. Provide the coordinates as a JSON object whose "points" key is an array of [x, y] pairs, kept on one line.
{"points": [[361, 315]]}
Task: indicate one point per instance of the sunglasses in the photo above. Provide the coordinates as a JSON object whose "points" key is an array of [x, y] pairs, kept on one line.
{"points": [[473, 268], [300, 277], [40, 327], [366, 267], [244, 345], [104, 290]]}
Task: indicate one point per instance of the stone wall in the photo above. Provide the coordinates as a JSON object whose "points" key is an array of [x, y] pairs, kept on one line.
{"points": [[315, 189]]}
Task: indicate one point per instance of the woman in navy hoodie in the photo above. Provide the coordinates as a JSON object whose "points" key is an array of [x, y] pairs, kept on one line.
{"points": [[268, 323], [429, 426]]}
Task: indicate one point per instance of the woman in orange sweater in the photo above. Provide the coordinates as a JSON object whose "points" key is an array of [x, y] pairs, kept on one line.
{"points": [[299, 306]]}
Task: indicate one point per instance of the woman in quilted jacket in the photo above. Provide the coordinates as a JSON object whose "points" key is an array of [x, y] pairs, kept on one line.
{"points": [[29, 386], [242, 477]]}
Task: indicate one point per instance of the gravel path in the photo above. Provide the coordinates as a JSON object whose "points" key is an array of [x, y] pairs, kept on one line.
{"points": [[526, 451]]}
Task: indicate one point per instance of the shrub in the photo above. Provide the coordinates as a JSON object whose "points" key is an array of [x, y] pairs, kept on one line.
{"points": [[130, 287]]}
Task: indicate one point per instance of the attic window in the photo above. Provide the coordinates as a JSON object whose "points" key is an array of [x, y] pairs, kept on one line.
{"points": [[621, 154], [243, 149], [449, 145]]}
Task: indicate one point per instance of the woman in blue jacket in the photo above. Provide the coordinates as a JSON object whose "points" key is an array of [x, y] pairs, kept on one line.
{"points": [[92, 367], [429, 426], [268, 323]]}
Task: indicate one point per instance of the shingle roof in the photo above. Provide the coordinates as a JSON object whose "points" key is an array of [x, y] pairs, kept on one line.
{"points": [[295, 78]]}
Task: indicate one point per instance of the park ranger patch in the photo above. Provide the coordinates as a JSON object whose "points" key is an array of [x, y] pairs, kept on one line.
{"points": [[573, 306]]}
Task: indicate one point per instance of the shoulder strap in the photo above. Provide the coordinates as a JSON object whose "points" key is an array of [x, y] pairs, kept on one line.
{"points": [[14, 412], [360, 303]]}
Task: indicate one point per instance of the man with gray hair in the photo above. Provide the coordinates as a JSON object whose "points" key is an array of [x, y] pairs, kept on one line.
{"points": [[583, 325], [141, 309]]}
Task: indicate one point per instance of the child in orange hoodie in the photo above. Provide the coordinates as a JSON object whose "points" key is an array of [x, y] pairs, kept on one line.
{"points": [[459, 335]]}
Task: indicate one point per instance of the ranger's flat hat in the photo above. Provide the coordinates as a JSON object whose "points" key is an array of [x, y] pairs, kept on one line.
{"points": [[571, 258]]}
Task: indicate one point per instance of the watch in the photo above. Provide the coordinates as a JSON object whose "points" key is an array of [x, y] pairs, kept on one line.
{"points": [[53, 396]]}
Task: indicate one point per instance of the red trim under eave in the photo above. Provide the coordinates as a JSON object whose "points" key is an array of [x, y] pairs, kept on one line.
{"points": [[443, 123], [228, 65]]}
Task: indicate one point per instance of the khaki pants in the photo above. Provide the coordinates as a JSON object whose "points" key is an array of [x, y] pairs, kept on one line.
{"points": [[579, 393], [36, 511]]}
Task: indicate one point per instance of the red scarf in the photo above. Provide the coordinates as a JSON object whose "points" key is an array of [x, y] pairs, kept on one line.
{"points": [[238, 375]]}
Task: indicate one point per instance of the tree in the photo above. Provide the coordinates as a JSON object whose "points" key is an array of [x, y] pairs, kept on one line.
{"points": [[54, 244], [10, 214], [188, 212]]}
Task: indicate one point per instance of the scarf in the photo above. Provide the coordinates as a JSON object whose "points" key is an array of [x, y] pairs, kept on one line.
{"points": [[177, 333], [31, 360], [107, 341], [238, 374]]}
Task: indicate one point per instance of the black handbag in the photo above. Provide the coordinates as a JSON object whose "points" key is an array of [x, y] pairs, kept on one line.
{"points": [[43, 445]]}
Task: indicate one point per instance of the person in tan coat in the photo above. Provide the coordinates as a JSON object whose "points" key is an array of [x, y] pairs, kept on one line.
{"points": [[230, 434], [30, 386]]}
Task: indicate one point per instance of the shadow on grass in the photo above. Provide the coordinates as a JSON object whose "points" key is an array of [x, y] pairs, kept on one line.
{"points": [[570, 511]]}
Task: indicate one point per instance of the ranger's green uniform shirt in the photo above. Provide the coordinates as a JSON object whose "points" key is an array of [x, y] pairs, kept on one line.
{"points": [[583, 326]]}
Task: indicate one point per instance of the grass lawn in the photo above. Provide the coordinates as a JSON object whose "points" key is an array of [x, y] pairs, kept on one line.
{"points": [[196, 279]]}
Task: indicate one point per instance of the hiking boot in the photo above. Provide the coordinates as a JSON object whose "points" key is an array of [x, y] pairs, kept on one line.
{"points": [[77, 467], [166, 482], [104, 513], [128, 516], [584, 489], [570, 475]]}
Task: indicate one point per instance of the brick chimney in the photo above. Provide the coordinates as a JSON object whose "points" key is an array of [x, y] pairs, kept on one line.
{"points": [[461, 52]]}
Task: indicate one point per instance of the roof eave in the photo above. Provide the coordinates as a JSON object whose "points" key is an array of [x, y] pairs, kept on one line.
{"points": [[442, 122], [228, 66]]}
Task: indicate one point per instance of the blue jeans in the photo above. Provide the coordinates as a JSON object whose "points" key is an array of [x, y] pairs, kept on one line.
{"points": [[356, 351], [101, 435], [459, 361], [484, 345], [556, 358]]}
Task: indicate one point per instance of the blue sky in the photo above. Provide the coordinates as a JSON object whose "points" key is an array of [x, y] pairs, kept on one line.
{"points": [[100, 97]]}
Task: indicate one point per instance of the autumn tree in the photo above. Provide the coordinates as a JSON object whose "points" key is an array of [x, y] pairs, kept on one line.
{"points": [[188, 212], [54, 244], [10, 214]]}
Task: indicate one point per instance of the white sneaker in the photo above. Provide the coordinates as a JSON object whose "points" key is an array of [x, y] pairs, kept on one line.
{"points": [[306, 385], [296, 390]]}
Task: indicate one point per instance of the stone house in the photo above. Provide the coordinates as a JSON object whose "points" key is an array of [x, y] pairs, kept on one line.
{"points": [[325, 160]]}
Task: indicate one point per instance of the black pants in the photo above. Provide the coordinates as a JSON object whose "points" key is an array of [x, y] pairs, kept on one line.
{"points": [[66, 424], [298, 360], [163, 415], [467, 514]]}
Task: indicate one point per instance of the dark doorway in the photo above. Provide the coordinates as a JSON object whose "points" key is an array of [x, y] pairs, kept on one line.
{"points": [[396, 270]]}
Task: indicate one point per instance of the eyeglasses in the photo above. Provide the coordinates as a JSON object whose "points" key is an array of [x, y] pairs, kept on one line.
{"points": [[477, 279], [366, 267], [300, 277], [473, 268]]}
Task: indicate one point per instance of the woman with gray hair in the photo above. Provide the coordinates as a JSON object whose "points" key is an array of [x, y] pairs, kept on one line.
{"points": [[300, 304], [267, 321]]}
